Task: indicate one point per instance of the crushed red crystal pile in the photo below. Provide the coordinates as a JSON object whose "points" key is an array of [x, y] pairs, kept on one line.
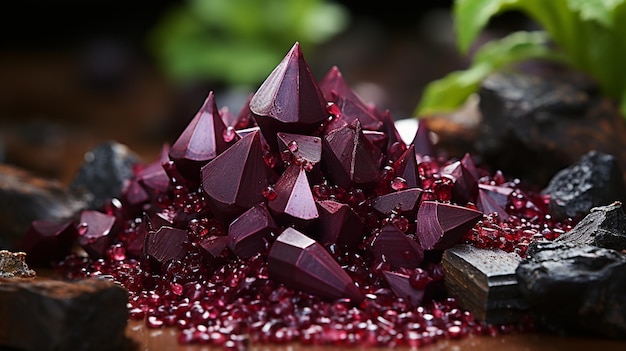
{"points": [[304, 218]]}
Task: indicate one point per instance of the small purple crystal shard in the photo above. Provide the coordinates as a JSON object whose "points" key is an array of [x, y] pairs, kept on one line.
{"points": [[333, 84], [293, 195], [234, 180], [395, 145], [352, 110], [422, 141], [487, 205], [406, 167], [305, 148], [47, 241], [289, 100], [134, 193], [166, 243], [214, 245], [500, 194], [249, 233], [404, 202], [94, 228], [339, 224], [468, 162], [442, 225], [392, 245], [378, 139], [202, 140], [349, 158], [302, 263], [399, 284], [465, 187]]}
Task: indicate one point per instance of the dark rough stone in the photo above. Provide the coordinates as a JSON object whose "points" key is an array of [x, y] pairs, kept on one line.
{"points": [[575, 289], [51, 315], [103, 173], [604, 226], [25, 198], [595, 180], [484, 282], [548, 121]]}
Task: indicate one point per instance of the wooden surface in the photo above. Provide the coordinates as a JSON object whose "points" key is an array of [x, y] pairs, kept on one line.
{"points": [[166, 339]]}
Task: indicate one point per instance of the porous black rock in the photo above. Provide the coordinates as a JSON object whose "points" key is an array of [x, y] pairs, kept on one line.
{"points": [[534, 125], [575, 289], [595, 180], [604, 226], [102, 175], [25, 197]]}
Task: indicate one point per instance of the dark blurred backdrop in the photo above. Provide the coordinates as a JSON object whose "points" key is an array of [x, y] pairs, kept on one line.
{"points": [[75, 73]]}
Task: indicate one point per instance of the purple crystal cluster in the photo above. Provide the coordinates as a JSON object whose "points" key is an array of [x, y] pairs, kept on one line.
{"points": [[303, 218]]}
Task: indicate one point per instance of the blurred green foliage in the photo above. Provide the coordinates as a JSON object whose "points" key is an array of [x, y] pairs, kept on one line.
{"points": [[239, 42]]}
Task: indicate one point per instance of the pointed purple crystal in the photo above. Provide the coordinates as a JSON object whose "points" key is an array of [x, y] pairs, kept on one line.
{"points": [[399, 284], [349, 158], [500, 194], [47, 241], [487, 205], [250, 232], [406, 167], [304, 148], [234, 180], [94, 229], [394, 246], [202, 140], [442, 225], [395, 145], [166, 243], [333, 84], [153, 176], [422, 140], [404, 201], [352, 110], [301, 263], [293, 196], [289, 100], [465, 188], [339, 224]]}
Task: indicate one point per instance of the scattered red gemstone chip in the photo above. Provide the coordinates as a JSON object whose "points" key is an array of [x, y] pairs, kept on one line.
{"points": [[48, 241], [202, 140], [294, 198], [302, 263], [289, 100], [166, 243], [350, 159], [234, 180], [400, 285], [442, 225], [339, 225], [392, 245], [249, 233], [94, 229]]}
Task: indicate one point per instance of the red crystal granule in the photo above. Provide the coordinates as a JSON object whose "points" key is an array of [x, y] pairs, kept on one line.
{"points": [[187, 275]]}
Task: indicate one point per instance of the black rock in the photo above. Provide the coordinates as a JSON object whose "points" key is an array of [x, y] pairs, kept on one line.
{"points": [[24, 198], [604, 226], [575, 289], [533, 125], [102, 175], [595, 180]]}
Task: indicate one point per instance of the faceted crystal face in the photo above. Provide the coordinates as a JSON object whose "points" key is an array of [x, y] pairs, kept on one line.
{"points": [[94, 229], [234, 180], [442, 225], [333, 84], [214, 245], [166, 244], [203, 139], [249, 233], [339, 225], [349, 158], [293, 195], [301, 263], [352, 110], [289, 100], [394, 246], [406, 167], [422, 141], [465, 187], [400, 285], [48, 241], [307, 149], [401, 201]]}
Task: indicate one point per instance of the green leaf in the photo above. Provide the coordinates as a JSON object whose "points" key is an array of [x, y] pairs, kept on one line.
{"points": [[448, 93], [596, 10], [471, 17]]}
